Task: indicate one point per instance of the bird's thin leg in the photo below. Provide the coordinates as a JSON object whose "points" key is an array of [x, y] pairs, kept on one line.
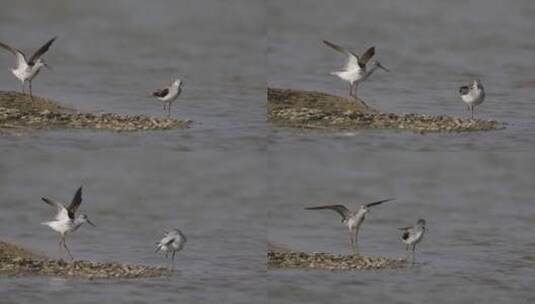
{"points": [[173, 261], [61, 247], [167, 260], [356, 236], [164, 108], [413, 252], [350, 89], [355, 90], [472, 108], [30, 86], [169, 110], [67, 248], [352, 241], [23, 87]]}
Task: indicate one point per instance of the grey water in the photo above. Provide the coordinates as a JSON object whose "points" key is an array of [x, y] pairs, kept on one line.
{"points": [[431, 48], [232, 182], [206, 180], [478, 247], [474, 190]]}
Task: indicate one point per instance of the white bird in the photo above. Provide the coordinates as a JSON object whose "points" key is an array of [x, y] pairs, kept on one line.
{"points": [[473, 95], [168, 95], [413, 235], [172, 242], [355, 70], [352, 219], [65, 221], [26, 70]]}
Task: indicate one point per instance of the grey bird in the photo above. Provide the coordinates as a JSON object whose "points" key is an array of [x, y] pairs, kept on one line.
{"points": [[355, 71], [172, 242], [27, 69], [66, 221], [412, 235], [473, 95], [352, 219]]}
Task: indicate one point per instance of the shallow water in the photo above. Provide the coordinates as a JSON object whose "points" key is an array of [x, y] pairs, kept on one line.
{"points": [[232, 181], [478, 206], [206, 180], [431, 47], [478, 247]]}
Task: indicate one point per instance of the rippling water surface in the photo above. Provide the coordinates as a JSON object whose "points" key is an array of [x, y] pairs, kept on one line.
{"points": [[206, 180], [478, 200], [231, 175], [478, 247], [431, 47]]}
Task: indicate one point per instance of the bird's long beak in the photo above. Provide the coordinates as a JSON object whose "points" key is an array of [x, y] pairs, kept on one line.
{"points": [[382, 67], [91, 223]]}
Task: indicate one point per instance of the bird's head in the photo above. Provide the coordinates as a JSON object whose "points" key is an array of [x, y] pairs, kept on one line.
{"points": [[85, 219], [178, 83], [478, 84], [42, 63], [420, 222], [377, 64]]}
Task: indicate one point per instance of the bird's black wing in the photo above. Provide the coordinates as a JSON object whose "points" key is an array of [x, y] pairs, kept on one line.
{"points": [[342, 50], [464, 90], [340, 209], [160, 93], [378, 202], [364, 58], [21, 58], [75, 203], [41, 51]]}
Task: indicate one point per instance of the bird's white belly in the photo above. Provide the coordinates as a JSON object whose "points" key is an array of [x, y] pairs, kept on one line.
{"points": [[25, 73], [171, 96], [473, 98], [355, 221], [59, 226], [350, 75], [415, 238], [174, 246]]}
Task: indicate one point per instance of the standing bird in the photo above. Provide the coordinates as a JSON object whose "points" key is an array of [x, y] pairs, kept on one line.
{"points": [[173, 241], [65, 221], [473, 95], [168, 95], [355, 70], [413, 235], [352, 219], [26, 70]]}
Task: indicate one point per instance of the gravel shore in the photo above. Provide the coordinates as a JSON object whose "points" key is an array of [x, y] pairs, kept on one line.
{"points": [[282, 257], [17, 261], [19, 113], [315, 110], [327, 261]]}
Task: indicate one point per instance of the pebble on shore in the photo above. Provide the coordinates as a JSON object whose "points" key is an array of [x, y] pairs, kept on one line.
{"points": [[19, 112], [17, 261], [326, 261], [315, 110]]}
